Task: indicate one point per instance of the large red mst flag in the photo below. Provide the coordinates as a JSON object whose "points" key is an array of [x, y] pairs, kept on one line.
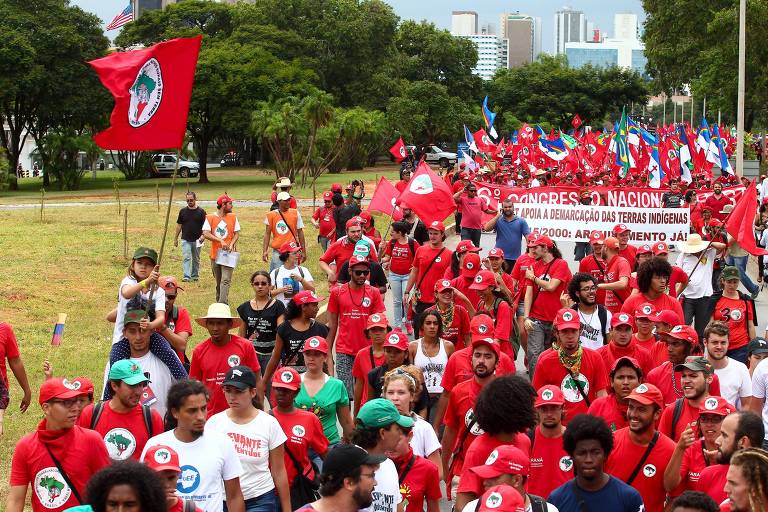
{"points": [[152, 89], [428, 196], [384, 199], [399, 151], [741, 219]]}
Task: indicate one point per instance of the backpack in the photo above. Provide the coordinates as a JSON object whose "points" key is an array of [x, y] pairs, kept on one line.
{"points": [[602, 316], [676, 413], [98, 408]]}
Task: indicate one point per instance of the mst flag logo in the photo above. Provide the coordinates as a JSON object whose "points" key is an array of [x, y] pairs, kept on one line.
{"points": [[146, 93]]}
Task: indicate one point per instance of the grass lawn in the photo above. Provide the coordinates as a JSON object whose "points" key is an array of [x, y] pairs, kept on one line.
{"points": [[240, 183], [72, 262]]}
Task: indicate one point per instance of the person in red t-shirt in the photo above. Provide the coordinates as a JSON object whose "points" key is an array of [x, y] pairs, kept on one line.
{"points": [[322, 219], [632, 442], [644, 314], [652, 280], [623, 344], [737, 310], [696, 375], [455, 316], [545, 284], [397, 258], [678, 279], [472, 210], [368, 358], [522, 264], [428, 266], [342, 250], [579, 372], [617, 273], [165, 461], [680, 342], [497, 308], [550, 465], [122, 421], [495, 263], [468, 269], [717, 202], [178, 326], [626, 251], [625, 375], [419, 477], [212, 358], [56, 442], [9, 349], [594, 264]]}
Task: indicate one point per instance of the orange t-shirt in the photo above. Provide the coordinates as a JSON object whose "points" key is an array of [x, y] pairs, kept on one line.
{"points": [[279, 229], [223, 227]]}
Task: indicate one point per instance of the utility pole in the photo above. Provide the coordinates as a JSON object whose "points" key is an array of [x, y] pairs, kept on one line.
{"points": [[740, 100]]}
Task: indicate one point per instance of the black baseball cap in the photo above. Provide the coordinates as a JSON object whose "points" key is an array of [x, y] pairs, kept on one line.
{"points": [[240, 377], [345, 458], [757, 346]]}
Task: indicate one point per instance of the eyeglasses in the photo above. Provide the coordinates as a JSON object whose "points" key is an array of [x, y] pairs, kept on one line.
{"points": [[260, 283], [170, 297], [67, 404], [361, 272], [369, 475], [588, 289]]}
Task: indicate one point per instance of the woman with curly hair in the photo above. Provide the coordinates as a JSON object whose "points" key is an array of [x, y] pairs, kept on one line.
{"points": [[126, 485]]}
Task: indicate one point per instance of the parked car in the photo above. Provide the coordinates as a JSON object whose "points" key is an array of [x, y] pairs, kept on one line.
{"points": [[435, 155], [163, 165]]}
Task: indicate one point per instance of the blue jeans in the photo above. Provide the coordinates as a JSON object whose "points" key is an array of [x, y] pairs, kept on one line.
{"points": [[471, 234], [740, 262], [267, 502], [190, 253], [398, 282]]}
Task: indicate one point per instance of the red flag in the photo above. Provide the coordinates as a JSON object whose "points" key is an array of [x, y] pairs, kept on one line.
{"points": [[428, 196], [741, 219], [398, 151], [152, 89], [576, 122], [384, 198], [483, 141]]}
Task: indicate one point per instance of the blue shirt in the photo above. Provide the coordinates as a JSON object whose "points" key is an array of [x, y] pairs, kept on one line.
{"points": [[615, 496], [509, 236]]}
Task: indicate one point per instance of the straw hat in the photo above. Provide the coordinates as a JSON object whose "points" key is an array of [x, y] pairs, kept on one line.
{"points": [[693, 245], [219, 310]]}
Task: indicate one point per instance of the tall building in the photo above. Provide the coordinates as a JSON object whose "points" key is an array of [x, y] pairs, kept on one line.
{"points": [[489, 53], [522, 34], [570, 27], [625, 27], [464, 23], [624, 49]]}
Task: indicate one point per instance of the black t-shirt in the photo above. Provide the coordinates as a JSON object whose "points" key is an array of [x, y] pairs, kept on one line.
{"points": [[342, 214], [191, 220], [261, 325], [293, 340], [377, 278], [672, 200], [376, 382]]}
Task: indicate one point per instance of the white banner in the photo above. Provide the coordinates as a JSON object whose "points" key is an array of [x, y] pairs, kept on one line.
{"points": [[573, 223]]}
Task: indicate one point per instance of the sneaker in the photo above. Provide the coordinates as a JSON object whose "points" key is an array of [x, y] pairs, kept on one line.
{"points": [[186, 279]]}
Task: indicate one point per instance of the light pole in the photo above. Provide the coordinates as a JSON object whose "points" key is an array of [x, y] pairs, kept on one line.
{"points": [[740, 100]]}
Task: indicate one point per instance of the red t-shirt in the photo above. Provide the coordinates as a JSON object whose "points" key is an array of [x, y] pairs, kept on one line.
{"points": [[617, 268], [293, 203], [459, 415], [649, 481], [303, 430], [459, 326], [550, 465], [462, 284], [179, 507], [612, 352], [365, 361], [595, 267], [712, 482], [123, 434], [424, 256], [340, 251], [629, 253], [736, 313], [402, 257], [324, 216], [717, 205], [421, 482], [459, 368], [546, 304], [662, 302], [211, 362], [81, 453], [471, 211], [181, 324], [353, 309], [477, 455], [661, 377], [609, 408], [592, 372], [518, 274], [690, 469], [687, 415], [9, 349], [502, 323], [678, 276]]}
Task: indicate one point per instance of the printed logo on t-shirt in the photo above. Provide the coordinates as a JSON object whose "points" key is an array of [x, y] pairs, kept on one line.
{"points": [[298, 431], [475, 430], [189, 479], [281, 227], [492, 457], [221, 230], [366, 302], [710, 404], [494, 500], [571, 391], [438, 259], [565, 464], [233, 360], [69, 384], [51, 489], [120, 443], [735, 315], [649, 470]]}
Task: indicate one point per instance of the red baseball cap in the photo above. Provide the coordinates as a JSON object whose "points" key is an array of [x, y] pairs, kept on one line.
{"points": [[288, 378], [316, 343], [336, 187], [496, 253], [505, 459], [59, 388], [611, 242], [488, 342], [437, 225], [224, 198], [531, 238], [660, 248], [442, 285], [162, 458], [644, 249], [501, 498], [566, 318], [622, 319], [327, 196], [290, 247], [647, 394], [377, 320], [354, 221], [684, 333], [86, 386], [645, 310], [549, 395], [466, 245], [483, 280], [470, 265], [397, 339], [169, 284], [481, 326], [666, 316], [623, 360], [366, 216], [597, 237], [716, 405], [620, 228], [358, 259], [305, 297], [543, 240]]}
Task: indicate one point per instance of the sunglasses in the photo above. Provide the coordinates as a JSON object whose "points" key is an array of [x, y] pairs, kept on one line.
{"points": [[361, 272]]}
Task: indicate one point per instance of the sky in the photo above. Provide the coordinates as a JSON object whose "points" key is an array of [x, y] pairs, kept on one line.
{"points": [[439, 11]]}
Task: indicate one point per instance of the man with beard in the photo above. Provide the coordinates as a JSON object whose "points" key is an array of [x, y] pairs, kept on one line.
{"points": [[347, 480], [735, 382], [739, 430], [510, 231], [696, 377], [717, 202], [594, 264], [595, 319], [415, 228], [589, 442], [617, 274], [550, 464], [641, 452], [625, 375], [222, 228], [205, 460], [342, 250]]}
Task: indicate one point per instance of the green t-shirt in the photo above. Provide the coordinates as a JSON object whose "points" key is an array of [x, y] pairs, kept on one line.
{"points": [[331, 396]]}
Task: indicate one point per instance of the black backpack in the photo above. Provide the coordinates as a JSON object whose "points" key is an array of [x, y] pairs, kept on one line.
{"points": [[602, 315], [411, 245]]}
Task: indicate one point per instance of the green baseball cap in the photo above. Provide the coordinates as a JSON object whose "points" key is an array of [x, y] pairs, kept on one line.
{"points": [[128, 371], [379, 412], [729, 273], [145, 252], [696, 364], [133, 316]]}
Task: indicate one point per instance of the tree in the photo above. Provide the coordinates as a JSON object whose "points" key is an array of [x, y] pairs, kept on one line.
{"points": [[62, 147], [133, 164]]}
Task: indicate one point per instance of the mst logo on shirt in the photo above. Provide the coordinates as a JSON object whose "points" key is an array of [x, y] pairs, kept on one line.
{"points": [[221, 230], [468, 418], [51, 489], [120, 443], [233, 360], [281, 227], [189, 479], [569, 389], [649, 470], [298, 431]]}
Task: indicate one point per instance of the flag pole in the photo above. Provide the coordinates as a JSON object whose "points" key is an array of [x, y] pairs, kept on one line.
{"points": [[384, 238]]}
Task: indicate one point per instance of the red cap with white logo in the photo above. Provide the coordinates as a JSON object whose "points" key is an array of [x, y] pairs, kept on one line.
{"points": [[481, 326], [620, 228], [622, 319], [549, 395], [566, 319], [645, 310], [316, 343], [397, 339]]}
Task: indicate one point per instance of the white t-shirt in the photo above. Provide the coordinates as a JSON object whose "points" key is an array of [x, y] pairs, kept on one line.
{"points": [[122, 305], [472, 506], [735, 382], [281, 274], [591, 331], [161, 381], [424, 441], [386, 494], [205, 463], [252, 442], [700, 283], [760, 388]]}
